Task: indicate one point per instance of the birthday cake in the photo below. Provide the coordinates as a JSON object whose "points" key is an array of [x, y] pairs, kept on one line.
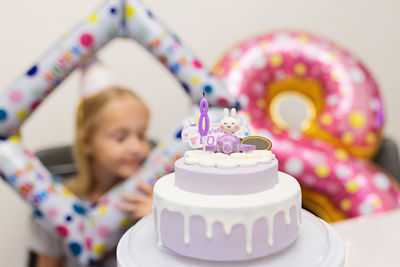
{"points": [[227, 204]]}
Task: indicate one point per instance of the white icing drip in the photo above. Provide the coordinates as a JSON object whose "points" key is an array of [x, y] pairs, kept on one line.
{"points": [[228, 228], [186, 235], [287, 215], [270, 223], [159, 241], [249, 238], [209, 228], [251, 207], [299, 219], [220, 160]]}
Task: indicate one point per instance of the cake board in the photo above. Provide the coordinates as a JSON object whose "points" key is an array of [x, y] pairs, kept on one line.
{"points": [[318, 244]]}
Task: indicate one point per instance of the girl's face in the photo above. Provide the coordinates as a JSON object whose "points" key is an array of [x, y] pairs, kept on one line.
{"points": [[119, 144]]}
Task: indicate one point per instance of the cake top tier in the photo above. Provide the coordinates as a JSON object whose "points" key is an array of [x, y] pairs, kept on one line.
{"points": [[225, 161]]}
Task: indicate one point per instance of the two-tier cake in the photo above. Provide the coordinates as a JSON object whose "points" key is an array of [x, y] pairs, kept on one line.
{"points": [[224, 207]]}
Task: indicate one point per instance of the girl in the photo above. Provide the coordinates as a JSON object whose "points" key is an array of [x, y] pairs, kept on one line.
{"points": [[110, 145]]}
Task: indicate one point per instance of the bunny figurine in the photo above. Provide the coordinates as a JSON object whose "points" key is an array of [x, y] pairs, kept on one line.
{"points": [[230, 124]]}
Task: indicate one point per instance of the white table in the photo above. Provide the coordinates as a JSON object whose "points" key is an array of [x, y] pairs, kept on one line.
{"points": [[372, 240]]}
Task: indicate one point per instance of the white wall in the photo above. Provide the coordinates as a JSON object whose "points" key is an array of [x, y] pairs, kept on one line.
{"points": [[369, 28]]}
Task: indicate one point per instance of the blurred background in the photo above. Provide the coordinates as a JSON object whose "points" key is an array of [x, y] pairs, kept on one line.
{"points": [[369, 29]]}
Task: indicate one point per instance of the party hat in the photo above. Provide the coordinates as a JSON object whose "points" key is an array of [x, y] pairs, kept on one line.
{"points": [[95, 77]]}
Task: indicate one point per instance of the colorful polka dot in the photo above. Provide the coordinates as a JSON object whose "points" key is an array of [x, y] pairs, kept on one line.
{"points": [[347, 138], [370, 138], [103, 231], [208, 89], [345, 204], [335, 76], [375, 104], [92, 222], [322, 171], [195, 80], [32, 72], [175, 68], [81, 227], [304, 38], [222, 102], [62, 231], [282, 37], [124, 222], [79, 209], [333, 57], [66, 192], [197, 64], [15, 140], [68, 218], [88, 243], [375, 201], [295, 134], [86, 40], [341, 154], [92, 18], [352, 186], [150, 14], [113, 10], [357, 119], [300, 69], [294, 166], [276, 60], [260, 62], [3, 115], [357, 75], [98, 248], [332, 100], [263, 44], [22, 114], [102, 209], [52, 212], [235, 64], [381, 181], [326, 119], [129, 11], [182, 61], [365, 208], [37, 214], [75, 248], [15, 96]]}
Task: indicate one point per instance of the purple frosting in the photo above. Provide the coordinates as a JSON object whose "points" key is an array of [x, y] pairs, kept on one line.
{"points": [[214, 181], [223, 247]]}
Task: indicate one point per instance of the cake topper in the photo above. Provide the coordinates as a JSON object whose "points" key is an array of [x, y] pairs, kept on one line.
{"points": [[204, 120], [229, 124], [260, 142], [228, 136]]}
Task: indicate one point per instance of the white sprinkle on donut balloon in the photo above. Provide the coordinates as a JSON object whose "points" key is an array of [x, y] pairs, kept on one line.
{"points": [[330, 156]]}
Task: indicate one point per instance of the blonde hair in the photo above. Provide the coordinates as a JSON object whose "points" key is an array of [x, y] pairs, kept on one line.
{"points": [[87, 119]]}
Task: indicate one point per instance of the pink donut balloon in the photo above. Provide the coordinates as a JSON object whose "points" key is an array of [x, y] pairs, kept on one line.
{"points": [[329, 156]]}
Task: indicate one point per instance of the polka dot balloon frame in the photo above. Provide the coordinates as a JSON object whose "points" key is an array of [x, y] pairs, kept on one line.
{"points": [[90, 231]]}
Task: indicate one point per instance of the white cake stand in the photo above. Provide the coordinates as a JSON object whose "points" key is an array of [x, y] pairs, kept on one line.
{"points": [[317, 245]]}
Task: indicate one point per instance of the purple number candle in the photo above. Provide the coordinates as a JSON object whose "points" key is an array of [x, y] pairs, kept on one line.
{"points": [[203, 129]]}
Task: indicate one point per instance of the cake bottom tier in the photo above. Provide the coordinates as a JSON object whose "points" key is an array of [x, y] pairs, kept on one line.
{"points": [[227, 227], [318, 245]]}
